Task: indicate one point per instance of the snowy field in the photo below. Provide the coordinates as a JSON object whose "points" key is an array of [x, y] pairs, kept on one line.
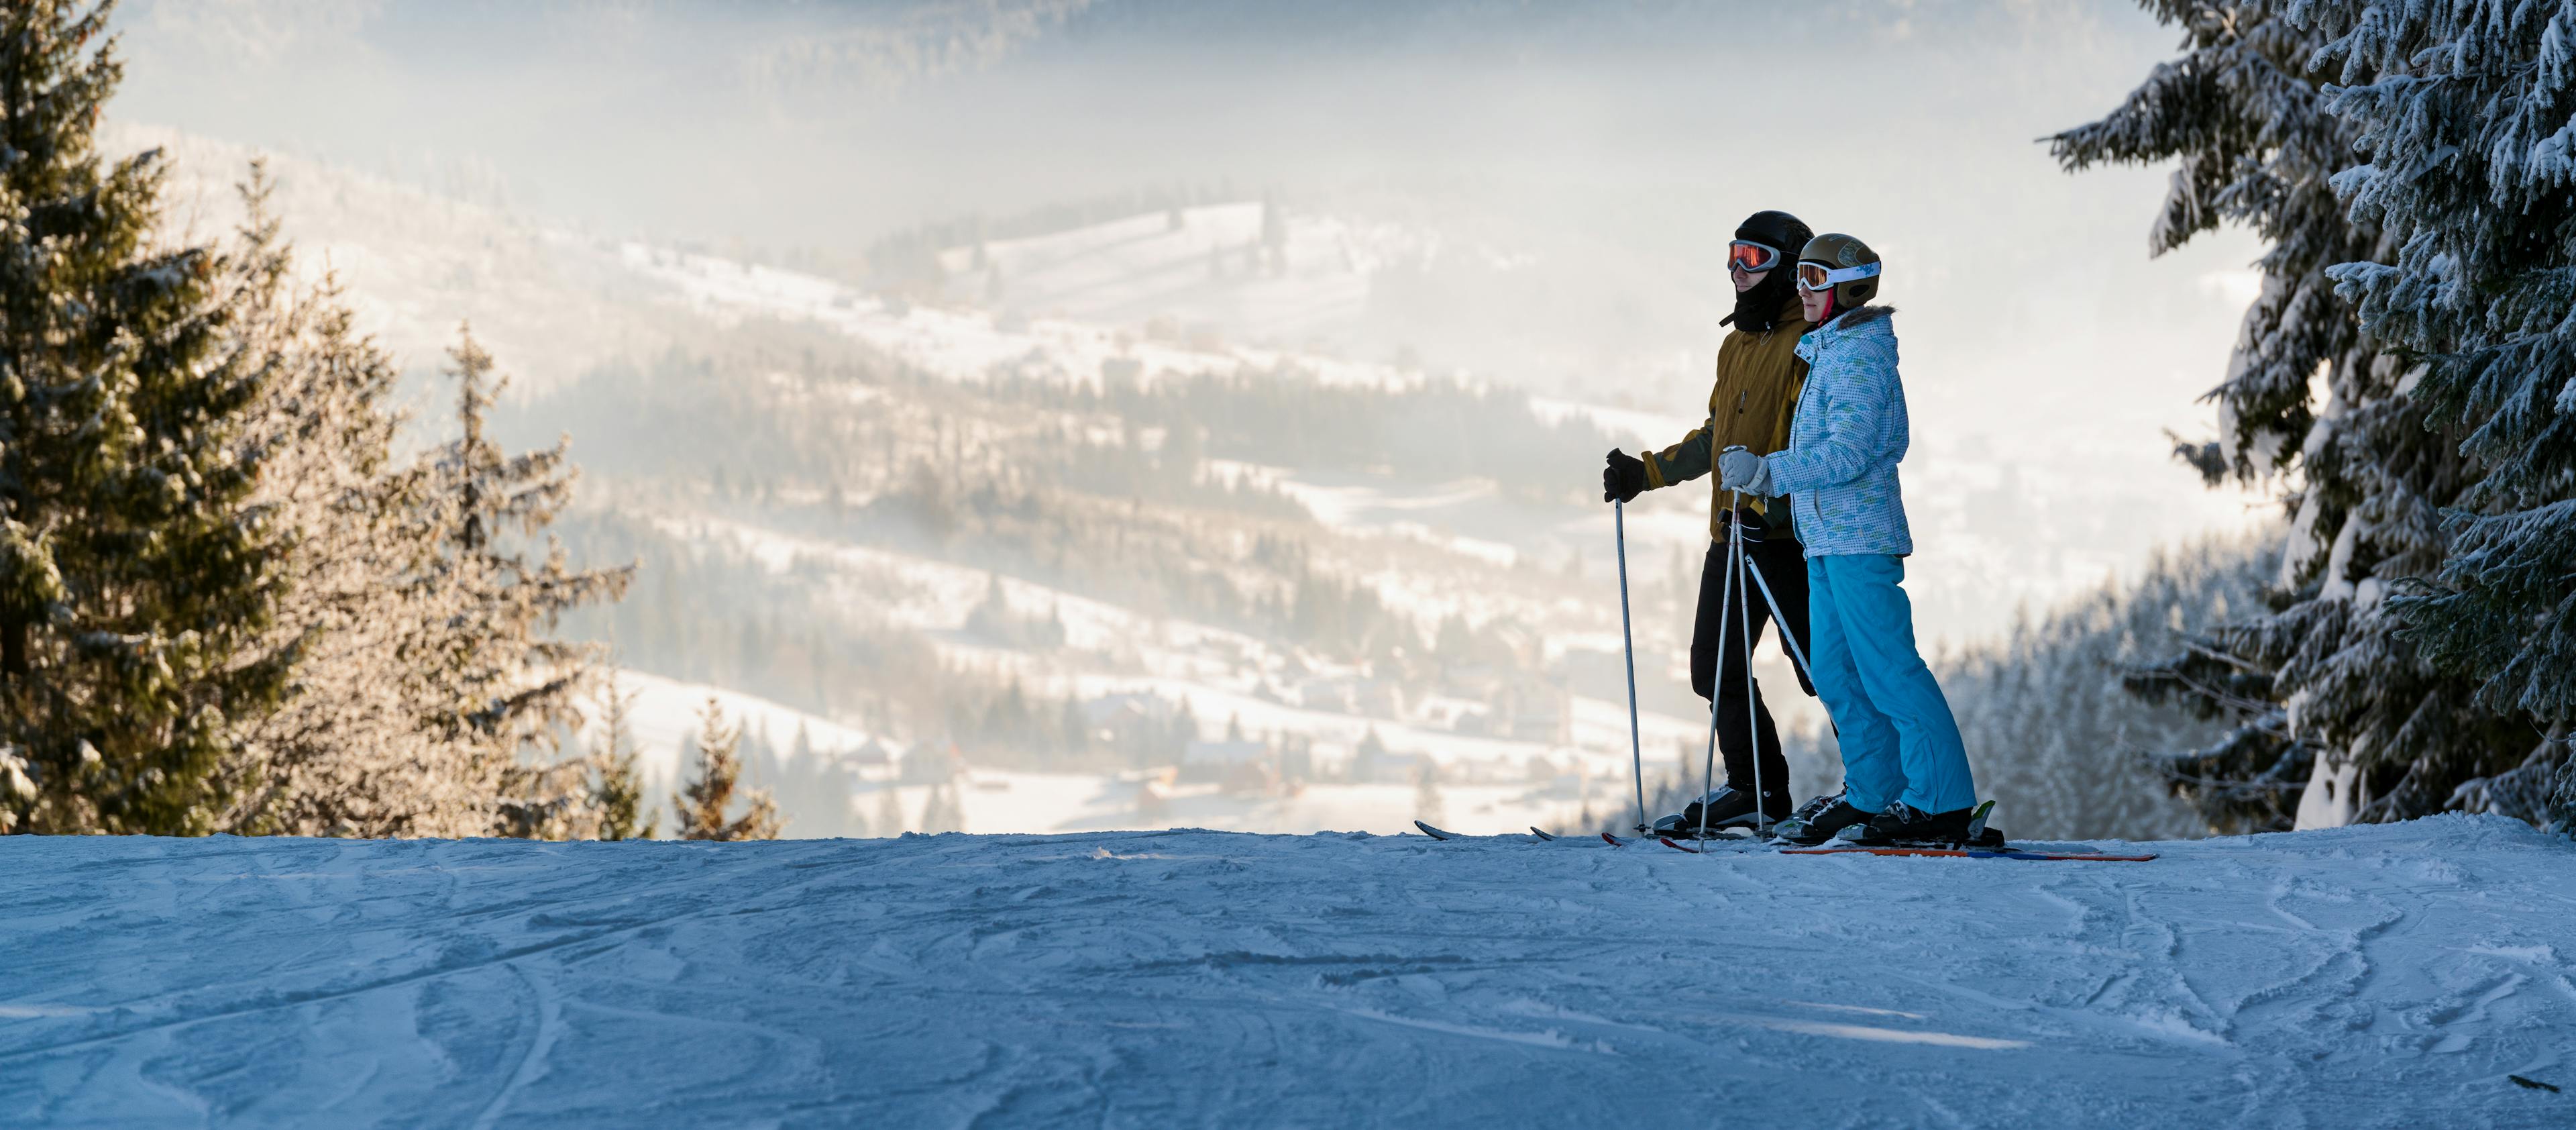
{"points": [[2376, 976]]}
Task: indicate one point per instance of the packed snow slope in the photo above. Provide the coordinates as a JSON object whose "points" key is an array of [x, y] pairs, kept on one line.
{"points": [[2374, 976]]}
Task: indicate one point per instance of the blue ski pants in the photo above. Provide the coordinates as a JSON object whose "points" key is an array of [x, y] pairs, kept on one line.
{"points": [[1899, 739]]}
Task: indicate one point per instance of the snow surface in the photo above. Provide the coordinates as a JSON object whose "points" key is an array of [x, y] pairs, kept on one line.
{"points": [[2360, 977]]}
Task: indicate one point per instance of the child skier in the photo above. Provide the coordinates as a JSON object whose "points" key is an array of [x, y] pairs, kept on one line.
{"points": [[1758, 371], [1905, 770]]}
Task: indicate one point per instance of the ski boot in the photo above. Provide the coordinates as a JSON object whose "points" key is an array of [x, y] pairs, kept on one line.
{"points": [[1728, 807], [1903, 825], [1819, 820]]}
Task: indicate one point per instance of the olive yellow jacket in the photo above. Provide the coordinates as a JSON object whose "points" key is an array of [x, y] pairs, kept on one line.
{"points": [[1759, 377]]}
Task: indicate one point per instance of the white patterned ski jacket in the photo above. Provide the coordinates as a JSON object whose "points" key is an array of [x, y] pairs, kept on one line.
{"points": [[1848, 435]]}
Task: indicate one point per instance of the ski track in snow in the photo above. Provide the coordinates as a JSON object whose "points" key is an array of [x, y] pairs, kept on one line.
{"points": [[2382, 976]]}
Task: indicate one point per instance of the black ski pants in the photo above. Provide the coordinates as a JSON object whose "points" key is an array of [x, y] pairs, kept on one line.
{"points": [[1718, 660]]}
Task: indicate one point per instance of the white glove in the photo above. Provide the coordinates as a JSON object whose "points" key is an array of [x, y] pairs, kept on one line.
{"points": [[1738, 469]]}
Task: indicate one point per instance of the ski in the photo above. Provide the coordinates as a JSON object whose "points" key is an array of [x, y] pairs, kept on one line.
{"points": [[1987, 850], [1975, 853], [1439, 833], [1726, 845], [1992, 846], [1615, 841]]}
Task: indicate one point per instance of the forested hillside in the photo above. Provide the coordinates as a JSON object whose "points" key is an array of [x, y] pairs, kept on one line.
{"points": [[2048, 724]]}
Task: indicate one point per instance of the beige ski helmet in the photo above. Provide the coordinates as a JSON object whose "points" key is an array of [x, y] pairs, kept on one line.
{"points": [[1850, 267]]}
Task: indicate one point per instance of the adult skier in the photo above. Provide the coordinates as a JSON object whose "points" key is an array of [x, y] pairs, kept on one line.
{"points": [[1905, 770], [1758, 375]]}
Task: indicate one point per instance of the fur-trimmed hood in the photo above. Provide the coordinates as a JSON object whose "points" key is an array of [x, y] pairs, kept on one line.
{"points": [[1854, 319], [1871, 327]]}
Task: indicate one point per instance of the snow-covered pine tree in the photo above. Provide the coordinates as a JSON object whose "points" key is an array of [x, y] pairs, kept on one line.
{"points": [[703, 802], [373, 609], [347, 753], [191, 441], [2464, 116], [2325, 672], [324, 435], [617, 784], [2562, 798], [509, 687], [137, 577]]}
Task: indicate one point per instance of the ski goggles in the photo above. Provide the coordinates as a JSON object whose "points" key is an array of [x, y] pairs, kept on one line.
{"points": [[1751, 258], [1817, 276]]}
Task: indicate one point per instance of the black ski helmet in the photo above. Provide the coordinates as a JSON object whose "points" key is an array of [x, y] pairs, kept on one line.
{"points": [[1778, 231], [1758, 309]]}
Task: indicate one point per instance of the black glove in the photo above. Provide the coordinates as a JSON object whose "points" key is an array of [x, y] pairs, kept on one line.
{"points": [[1624, 478]]}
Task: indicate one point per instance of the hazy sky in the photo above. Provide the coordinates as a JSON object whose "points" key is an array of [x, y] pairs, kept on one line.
{"points": [[1618, 141]]}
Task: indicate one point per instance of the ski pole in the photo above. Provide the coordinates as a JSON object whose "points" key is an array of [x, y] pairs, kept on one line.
{"points": [[1725, 605], [1752, 717], [1787, 638], [1628, 640]]}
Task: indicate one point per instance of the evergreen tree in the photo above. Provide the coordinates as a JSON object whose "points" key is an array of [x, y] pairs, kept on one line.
{"points": [[617, 788], [224, 604], [545, 801], [509, 688], [138, 579], [2464, 118], [437, 694], [375, 603], [326, 434], [348, 752], [703, 802], [2329, 696]]}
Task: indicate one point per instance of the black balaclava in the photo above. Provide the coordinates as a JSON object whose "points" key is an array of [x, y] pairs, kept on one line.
{"points": [[1758, 309]]}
